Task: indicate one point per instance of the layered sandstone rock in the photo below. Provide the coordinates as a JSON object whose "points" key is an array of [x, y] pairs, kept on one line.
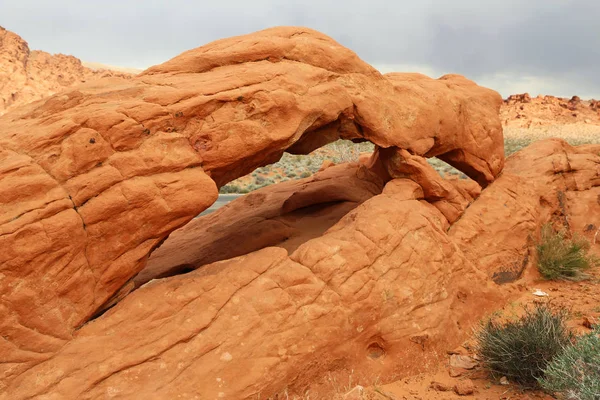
{"points": [[93, 179], [27, 76]]}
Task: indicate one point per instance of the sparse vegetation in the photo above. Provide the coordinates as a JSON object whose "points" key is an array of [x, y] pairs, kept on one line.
{"points": [[521, 349], [301, 166], [563, 258], [575, 372]]}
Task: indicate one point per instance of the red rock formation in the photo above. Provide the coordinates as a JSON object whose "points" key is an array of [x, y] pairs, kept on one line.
{"points": [[94, 179], [549, 180], [285, 215], [27, 76], [373, 295], [523, 111], [346, 299]]}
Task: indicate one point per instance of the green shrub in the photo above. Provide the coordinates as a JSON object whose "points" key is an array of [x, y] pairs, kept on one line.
{"points": [[229, 188], [305, 174], [563, 258], [575, 372], [521, 349]]}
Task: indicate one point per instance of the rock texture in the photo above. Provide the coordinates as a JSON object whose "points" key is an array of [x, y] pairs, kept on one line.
{"points": [[93, 179], [548, 181], [27, 76], [284, 215], [380, 293], [368, 296]]}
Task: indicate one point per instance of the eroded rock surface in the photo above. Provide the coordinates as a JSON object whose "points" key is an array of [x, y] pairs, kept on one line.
{"points": [[93, 179], [547, 181], [373, 294], [27, 76], [284, 215]]}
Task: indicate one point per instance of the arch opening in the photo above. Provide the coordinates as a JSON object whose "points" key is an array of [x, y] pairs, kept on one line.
{"points": [[283, 204]]}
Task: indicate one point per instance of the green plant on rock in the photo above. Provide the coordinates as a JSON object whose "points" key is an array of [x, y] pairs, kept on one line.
{"points": [[575, 372], [563, 258], [521, 349]]}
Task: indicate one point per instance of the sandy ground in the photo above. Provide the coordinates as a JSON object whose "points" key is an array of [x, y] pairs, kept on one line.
{"points": [[573, 133]]}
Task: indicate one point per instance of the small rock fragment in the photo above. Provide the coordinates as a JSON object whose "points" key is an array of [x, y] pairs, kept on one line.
{"points": [[440, 387], [539, 293], [465, 362], [464, 388], [456, 372], [504, 381]]}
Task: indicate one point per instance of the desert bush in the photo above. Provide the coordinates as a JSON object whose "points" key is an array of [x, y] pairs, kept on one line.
{"points": [[513, 145], [229, 188], [575, 372], [305, 174], [344, 151], [521, 349], [563, 258]]}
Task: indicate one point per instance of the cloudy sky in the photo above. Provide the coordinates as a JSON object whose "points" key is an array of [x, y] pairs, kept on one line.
{"points": [[513, 46]]}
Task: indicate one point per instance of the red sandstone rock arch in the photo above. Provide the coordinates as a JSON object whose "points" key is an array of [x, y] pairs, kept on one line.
{"points": [[95, 178]]}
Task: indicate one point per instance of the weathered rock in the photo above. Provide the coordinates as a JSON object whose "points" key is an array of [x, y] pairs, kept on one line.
{"points": [[353, 298], [93, 179], [444, 194], [96, 177], [461, 361], [466, 136], [464, 387], [549, 180], [27, 76], [284, 215]]}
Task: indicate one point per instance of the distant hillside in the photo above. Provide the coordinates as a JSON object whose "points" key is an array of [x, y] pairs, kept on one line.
{"points": [[27, 75], [99, 67], [522, 110]]}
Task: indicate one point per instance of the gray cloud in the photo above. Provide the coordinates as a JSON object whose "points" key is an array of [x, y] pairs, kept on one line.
{"points": [[540, 46]]}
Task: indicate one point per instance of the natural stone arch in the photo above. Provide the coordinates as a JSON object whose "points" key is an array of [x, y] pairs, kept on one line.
{"points": [[97, 177]]}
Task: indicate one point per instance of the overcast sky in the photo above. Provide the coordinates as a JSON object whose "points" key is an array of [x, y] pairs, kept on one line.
{"points": [[513, 46]]}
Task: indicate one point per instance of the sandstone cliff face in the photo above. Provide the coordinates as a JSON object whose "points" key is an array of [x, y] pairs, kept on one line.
{"points": [[93, 179], [27, 76]]}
